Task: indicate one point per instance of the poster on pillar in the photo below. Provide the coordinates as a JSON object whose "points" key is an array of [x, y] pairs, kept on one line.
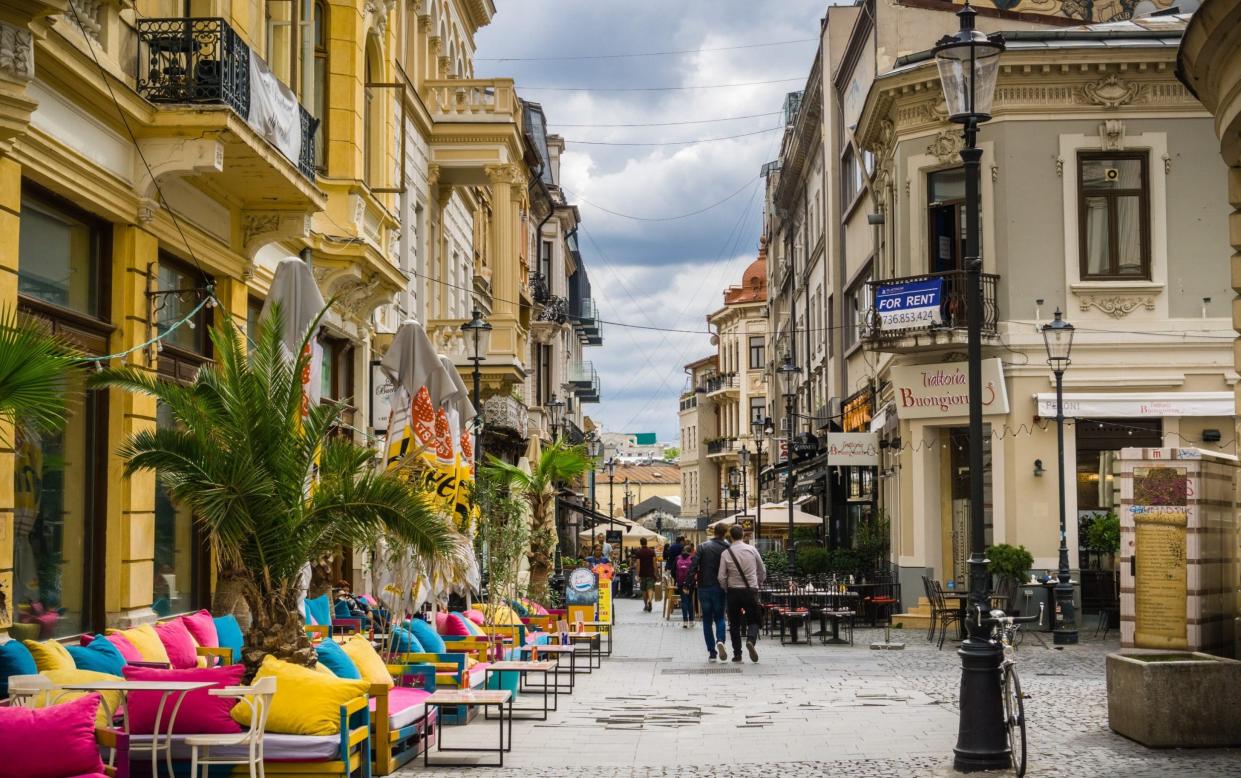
{"points": [[942, 390]]}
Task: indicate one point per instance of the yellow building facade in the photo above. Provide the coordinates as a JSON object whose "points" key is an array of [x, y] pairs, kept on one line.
{"points": [[150, 159]]}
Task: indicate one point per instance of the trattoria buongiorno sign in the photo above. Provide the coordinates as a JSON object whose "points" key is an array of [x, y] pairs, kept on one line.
{"points": [[935, 391]]}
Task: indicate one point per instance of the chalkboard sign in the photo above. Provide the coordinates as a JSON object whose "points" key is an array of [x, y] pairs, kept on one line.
{"points": [[614, 536]]}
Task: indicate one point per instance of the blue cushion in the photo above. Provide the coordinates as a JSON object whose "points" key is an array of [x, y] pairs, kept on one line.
{"points": [[519, 607], [15, 659], [426, 635], [340, 609], [318, 610], [229, 632], [404, 642], [335, 659], [100, 656]]}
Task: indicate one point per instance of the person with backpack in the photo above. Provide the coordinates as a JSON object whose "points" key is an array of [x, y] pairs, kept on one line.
{"points": [[706, 571], [741, 573], [686, 585]]}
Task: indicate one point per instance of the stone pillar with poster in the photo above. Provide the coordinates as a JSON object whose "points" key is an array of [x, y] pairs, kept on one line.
{"points": [[1178, 542]]}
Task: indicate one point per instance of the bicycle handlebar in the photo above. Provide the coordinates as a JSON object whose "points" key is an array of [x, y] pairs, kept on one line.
{"points": [[998, 616]]}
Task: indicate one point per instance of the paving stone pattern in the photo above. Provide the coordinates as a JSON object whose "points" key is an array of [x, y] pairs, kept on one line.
{"points": [[809, 710]]}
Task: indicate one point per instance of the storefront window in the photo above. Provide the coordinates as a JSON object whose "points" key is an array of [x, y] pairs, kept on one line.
{"points": [[184, 282], [53, 513], [174, 546], [60, 257]]}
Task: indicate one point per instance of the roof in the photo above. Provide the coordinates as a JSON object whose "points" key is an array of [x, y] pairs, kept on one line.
{"points": [[753, 288], [655, 473], [653, 505]]}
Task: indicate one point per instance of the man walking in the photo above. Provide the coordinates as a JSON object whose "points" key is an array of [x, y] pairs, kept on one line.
{"points": [[706, 571], [741, 573], [646, 572], [670, 555]]}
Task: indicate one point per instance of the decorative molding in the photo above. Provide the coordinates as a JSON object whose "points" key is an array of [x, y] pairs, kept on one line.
{"points": [[995, 172], [946, 146], [504, 174], [1167, 165], [261, 228], [147, 208], [86, 15], [1112, 91], [379, 11], [1117, 306], [1059, 167], [1112, 135], [16, 54], [174, 156]]}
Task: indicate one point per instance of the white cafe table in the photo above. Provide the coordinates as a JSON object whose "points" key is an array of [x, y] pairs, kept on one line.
{"points": [[165, 689]]}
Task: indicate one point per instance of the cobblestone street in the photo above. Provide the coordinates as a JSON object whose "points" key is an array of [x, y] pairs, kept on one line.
{"points": [[658, 708]]}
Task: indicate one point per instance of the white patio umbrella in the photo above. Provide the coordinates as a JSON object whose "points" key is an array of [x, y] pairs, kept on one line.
{"points": [[775, 515]]}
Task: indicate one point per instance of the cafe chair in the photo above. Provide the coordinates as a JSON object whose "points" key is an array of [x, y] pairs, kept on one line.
{"points": [[244, 748]]}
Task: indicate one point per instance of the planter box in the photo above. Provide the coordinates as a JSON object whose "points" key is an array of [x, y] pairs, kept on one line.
{"points": [[1174, 699]]}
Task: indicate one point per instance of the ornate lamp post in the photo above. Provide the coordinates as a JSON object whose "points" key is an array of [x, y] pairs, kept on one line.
{"points": [[1058, 338], [968, 68], [478, 330], [555, 412], [763, 429], [788, 372], [744, 456], [734, 486], [610, 468]]}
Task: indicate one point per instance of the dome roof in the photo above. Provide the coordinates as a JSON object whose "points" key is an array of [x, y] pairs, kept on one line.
{"points": [[753, 288]]}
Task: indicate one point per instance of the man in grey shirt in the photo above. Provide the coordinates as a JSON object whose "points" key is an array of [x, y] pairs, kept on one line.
{"points": [[741, 573]]}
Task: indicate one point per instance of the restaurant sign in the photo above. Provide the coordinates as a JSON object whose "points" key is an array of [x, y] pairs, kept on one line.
{"points": [[935, 391], [853, 449]]}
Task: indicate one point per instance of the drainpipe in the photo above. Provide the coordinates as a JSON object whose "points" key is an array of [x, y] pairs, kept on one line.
{"points": [[305, 256]]}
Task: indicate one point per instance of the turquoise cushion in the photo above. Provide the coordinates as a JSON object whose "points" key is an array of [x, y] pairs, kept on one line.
{"points": [[336, 660], [100, 656], [318, 610], [340, 609], [229, 632], [519, 608], [404, 642], [15, 659], [425, 634]]}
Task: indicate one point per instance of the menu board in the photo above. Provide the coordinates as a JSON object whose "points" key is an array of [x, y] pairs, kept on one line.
{"points": [[1160, 577]]}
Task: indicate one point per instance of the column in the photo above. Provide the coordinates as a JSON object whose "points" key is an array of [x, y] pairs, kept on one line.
{"points": [[10, 222], [505, 283], [130, 558]]}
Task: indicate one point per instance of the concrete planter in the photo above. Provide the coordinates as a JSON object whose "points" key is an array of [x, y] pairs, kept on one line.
{"points": [[1174, 699]]}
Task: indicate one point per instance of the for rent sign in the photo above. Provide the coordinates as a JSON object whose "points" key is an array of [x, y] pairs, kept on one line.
{"points": [[933, 391], [910, 305]]}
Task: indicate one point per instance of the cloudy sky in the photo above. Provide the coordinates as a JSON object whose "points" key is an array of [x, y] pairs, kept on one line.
{"points": [[660, 274]]}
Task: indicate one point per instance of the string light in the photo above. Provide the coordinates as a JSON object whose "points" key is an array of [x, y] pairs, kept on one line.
{"points": [[156, 341]]}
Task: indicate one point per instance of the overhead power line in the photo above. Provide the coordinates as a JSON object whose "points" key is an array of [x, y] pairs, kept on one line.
{"points": [[676, 124], [646, 53], [577, 196], [655, 88], [670, 142]]}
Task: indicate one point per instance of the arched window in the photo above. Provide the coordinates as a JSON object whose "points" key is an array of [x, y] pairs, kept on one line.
{"points": [[320, 86], [372, 118]]}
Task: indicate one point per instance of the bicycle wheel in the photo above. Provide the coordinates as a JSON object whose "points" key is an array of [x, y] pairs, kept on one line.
{"points": [[1015, 719]]}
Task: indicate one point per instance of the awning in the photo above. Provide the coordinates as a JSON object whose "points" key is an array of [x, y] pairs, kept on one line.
{"points": [[1128, 405], [774, 513]]}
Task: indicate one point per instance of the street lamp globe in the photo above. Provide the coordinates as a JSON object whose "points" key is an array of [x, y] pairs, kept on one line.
{"points": [[609, 467], [969, 64], [479, 331], [734, 478], [788, 374], [758, 426], [555, 412], [1058, 338]]}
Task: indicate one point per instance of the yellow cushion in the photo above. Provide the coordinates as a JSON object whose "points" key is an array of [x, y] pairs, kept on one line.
{"points": [[369, 663], [306, 702], [111, 700], [324, 669], [501, 614], [146, 640], [50, 655]]}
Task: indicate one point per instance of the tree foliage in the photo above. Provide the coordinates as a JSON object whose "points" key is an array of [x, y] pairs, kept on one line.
{"points": [[1010, 562], [35, 368]]}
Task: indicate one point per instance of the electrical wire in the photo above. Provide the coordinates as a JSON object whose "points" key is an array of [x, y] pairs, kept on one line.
{"points": [[673, 142], [712, 206], [687, 87], [646, 53], [208, 299], [676, 124]]}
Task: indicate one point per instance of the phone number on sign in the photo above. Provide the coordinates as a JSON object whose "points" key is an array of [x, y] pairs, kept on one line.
{"points": [[921, 316]]}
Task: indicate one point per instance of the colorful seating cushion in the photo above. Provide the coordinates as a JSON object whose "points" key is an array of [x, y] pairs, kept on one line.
{"points": [[121, 643], [475, 615], [367, 660], [277, 747], [318, 610], [534, 608], [502, 615], [178, 643], [51, 742], [146, 640], [426, 635], [404, 642], [202, 627], [340, 609], [228, 632], [200, 713], [473, 629], [111, 700], [50, 655], [405, 706], [305, 702], [99, 655], [15, 659], [332, 656], [453, 626], [519, 607]]}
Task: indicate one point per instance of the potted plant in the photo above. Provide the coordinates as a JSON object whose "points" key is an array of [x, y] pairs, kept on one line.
{"points": [[1103, 536], [1009, 565]]}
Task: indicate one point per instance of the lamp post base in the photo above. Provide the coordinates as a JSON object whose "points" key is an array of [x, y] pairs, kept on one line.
{"points": [[982, 738], [1065, 632]]}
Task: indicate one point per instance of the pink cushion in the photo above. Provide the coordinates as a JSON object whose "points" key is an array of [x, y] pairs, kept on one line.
{"points": [[50, 742], [200, 714], [454, 627], [179, 644], [127, 649], [476, 616], [202, 627], [441, 622]]}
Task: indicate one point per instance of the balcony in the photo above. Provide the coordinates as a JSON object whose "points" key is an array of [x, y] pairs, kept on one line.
{"points": [[585, 381], [719, 384], [944, 327], [590, 329], [539, 290], [573, 434], [477, 126], [195, 65], [555, 310], [488, 100], [507, 415], [721, 446]]}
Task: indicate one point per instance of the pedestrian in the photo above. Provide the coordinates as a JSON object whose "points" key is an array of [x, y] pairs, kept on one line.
{"points": [[741, 573], [670, 555], [646, 572], [711, 598], [685, 584], [602, 542]]}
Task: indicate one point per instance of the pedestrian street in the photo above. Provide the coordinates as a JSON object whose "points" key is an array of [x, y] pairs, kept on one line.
{"points": [[657, 707]]}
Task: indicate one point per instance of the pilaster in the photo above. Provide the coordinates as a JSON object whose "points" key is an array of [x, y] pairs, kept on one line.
{"points": [[505, 283], [10, 210]]}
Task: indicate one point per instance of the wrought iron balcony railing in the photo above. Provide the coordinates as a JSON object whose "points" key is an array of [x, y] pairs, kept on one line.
{"points": [[720, 383], [507, 414], [951, 313], [539, 290], [204, 61], [720, 446], [555, 309]]}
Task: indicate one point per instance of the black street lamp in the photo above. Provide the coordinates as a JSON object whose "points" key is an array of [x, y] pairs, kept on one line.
{"points": [[479, 330], [744, 456], [555, 412], [788, 371], [968, 68], [734, 487], [763, 429], [610, 468], [1058, 338]]}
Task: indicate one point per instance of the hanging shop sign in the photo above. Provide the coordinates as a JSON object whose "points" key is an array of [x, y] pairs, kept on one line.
{"points": [[857, 410], [942, 390], [910, 305], [582, 588], [381, 399], [853, 449], [1138, 405]]}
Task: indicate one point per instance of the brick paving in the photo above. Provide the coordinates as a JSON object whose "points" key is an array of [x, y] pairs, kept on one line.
{"points": [[658, 708]]}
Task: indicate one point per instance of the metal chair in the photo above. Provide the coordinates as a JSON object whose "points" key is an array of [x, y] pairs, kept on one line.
{"points": [[944, 615], [258, 698]]}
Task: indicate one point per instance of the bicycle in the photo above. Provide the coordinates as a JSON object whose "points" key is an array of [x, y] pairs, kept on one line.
{"points": [[1006, 631]]}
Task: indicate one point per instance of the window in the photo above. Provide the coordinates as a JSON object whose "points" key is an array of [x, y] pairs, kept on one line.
{"points": [[545, 262], [178, 277], [857, 302], [60, 257], [320, 84], [1113, 215], [850, 183], [177, 556], [254, 310], [945, 216], [372, 117], [829, 330], [758, 349], [758, 409]]}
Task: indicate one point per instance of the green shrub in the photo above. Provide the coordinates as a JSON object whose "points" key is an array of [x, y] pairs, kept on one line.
{"points": [[813, 560], [1011, 562], [845, 562], [776, 562], [1103, 534]]}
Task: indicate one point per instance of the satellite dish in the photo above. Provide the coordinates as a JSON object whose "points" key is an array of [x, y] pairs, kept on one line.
{"points": [[715, 340]]}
